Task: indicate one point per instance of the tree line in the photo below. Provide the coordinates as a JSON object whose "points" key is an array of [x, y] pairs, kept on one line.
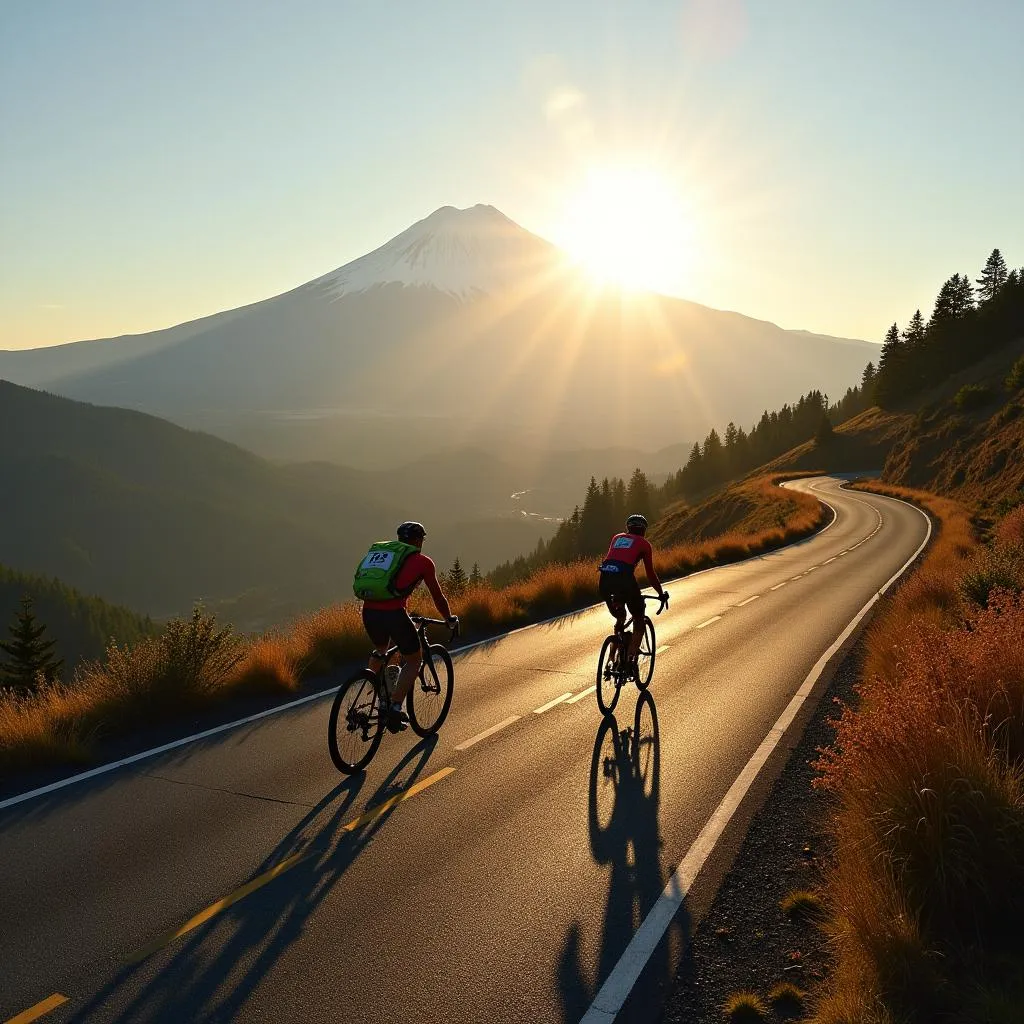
{"points": [[969, 321]]}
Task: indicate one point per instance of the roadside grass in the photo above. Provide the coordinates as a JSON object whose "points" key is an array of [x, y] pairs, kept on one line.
{"points": [[802, 905], [196, 663], [787, 1000], [744, 1008], [926, 889]]}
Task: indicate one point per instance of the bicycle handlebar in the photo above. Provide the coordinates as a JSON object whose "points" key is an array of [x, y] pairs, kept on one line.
{"points": [[424, 621], [662, 599]]}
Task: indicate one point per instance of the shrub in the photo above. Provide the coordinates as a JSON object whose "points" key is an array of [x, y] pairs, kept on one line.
{"points": [[744, 1007], [1015, 380], [972, 396], [1000, 567]]}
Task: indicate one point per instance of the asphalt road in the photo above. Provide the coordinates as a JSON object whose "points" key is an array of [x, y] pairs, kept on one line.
{"points": [[242, 878]]}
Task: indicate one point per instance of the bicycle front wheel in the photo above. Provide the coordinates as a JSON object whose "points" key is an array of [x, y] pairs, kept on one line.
{"points": [[645, 659], [609, 679], [431, 695], [356, 725]]}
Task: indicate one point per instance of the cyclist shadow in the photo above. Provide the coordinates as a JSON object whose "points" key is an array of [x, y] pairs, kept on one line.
{"points": [[623, 797], [215, 969]]}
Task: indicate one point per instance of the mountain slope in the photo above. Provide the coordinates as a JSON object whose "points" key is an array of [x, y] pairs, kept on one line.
{"points": [[82, 626], [471, 322], [154, 516]]}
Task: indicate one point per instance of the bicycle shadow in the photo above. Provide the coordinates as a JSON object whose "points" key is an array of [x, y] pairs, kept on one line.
{"points": [[623, 797], [215, 969]]}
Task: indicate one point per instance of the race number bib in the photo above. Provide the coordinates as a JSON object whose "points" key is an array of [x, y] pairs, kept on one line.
{"points": [[623, 542], [378, 560]]}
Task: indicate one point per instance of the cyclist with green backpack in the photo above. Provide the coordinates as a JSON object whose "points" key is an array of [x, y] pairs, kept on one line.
{"points": [[384, 581]]}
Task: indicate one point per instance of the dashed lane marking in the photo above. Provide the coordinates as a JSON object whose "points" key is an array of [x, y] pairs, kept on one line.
{"points": [[583, 693], [777, 585], [551, 703], [466, 744], [748, 600], [37, 1011], [714, 618], [832, 559], [663, 647]]}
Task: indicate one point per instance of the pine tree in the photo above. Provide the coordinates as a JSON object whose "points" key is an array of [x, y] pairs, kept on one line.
{"points": [[475, 578], [824, 432], [29, 654], [993, 276], [455, 579], [889, 379]]}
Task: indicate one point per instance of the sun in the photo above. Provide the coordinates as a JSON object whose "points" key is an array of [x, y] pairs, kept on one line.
{"points": [[628, 226]]}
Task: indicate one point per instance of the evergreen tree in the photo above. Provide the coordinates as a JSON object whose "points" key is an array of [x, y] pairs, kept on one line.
{"points": [[455, 579], [889, 380], [867, 380], [824, 432], [29, 653], [993, 276], [914, 334], [638, 495], [475, 578]]}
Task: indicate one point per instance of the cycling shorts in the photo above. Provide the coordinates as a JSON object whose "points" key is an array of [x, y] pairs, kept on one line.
{"points": [[620, 589], [384, 625]]}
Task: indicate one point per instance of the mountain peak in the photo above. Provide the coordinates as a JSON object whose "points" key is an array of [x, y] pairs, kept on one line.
{"points": [[464, 252]]}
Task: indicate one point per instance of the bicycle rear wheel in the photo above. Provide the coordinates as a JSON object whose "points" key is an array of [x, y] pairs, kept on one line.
{"points": [[609, 678], [356, 724], [431, 695], [645, 659]]}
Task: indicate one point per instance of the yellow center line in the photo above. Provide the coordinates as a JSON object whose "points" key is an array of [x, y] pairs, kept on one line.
{"points": [[35, 1012], [279, 869]]}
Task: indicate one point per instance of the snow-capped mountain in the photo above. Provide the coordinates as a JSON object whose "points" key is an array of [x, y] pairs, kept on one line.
{"points": [[462, 327], [464, 253]]}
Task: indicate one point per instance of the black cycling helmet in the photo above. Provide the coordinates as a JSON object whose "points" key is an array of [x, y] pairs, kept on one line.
{"points": [[636, 524], [411, 532]]}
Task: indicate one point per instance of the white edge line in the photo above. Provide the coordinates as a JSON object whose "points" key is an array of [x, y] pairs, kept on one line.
{"points": [[748, 600], [552, 703], [93, 772], [707, 622], [184, 740], [466, 744], [613, 993], [582, 694]]}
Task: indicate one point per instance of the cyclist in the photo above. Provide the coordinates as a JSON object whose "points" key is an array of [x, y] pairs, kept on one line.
{"points": [[387, 621], [619, 585]]}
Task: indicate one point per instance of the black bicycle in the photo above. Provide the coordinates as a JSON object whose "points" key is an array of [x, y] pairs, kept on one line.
{"points": [[360, 708], [613, 667]]}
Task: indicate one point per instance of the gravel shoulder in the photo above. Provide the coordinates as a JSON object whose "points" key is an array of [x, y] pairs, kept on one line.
{"points": [[746, 942]]}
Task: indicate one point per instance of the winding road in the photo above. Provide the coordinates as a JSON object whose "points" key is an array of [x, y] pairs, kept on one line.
{"points": [[532, 863]]}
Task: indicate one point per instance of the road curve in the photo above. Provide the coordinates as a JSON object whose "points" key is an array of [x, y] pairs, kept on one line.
{"points": [[497, 873]]}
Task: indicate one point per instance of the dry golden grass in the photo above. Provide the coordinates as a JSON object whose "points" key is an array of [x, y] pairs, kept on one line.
{"points": [[928, 871], [158, 678]]}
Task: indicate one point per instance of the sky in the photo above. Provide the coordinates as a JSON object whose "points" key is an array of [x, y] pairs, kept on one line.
{"points": [[821, 165]]}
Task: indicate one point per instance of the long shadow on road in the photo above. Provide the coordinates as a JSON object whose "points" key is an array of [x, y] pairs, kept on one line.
{"points": [[625, 834], [214, 970]]}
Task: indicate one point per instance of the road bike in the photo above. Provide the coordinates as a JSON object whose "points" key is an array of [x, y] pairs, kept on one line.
{"points": [[360, 709], [613, 668]]}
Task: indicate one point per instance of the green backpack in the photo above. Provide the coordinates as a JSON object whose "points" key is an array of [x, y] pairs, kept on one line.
{"points": [[375, 577]]}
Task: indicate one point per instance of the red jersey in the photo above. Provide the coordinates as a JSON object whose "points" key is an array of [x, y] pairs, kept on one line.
{"points": [[416, 569], [626, 550]]}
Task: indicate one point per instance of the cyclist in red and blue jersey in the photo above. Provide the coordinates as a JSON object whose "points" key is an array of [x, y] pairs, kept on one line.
{"points": [[619, 586], [387, 621]]}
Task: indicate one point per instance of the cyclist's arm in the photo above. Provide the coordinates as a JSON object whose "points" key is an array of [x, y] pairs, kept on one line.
{"points": [[652, 576], [430, 578]]}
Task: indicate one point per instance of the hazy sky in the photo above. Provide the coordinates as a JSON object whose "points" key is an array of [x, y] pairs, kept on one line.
{"points": [[830, 162]]}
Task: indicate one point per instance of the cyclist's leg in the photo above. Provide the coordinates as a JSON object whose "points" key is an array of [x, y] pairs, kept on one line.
{"points": [[375, 624], [635, 604], [404, 634]]}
